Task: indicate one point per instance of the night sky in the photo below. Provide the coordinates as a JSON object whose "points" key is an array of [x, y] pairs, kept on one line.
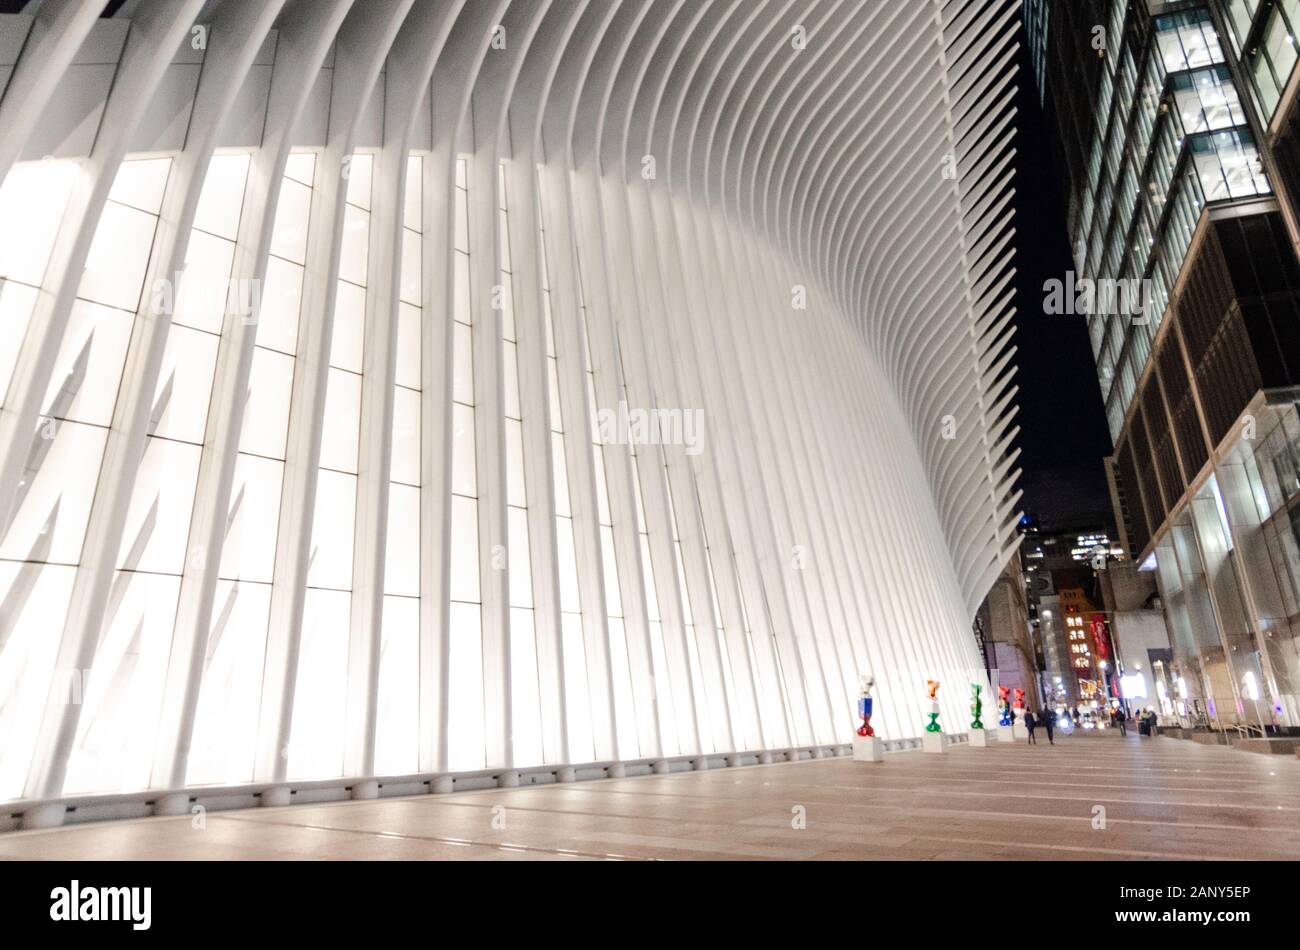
{"points": [[1063, 423]]}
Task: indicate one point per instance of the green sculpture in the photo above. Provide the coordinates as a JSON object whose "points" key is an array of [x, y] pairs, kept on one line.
{"points": [[976, 706]]}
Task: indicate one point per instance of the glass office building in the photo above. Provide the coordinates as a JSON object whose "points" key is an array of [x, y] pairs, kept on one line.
{"points": [[1168, 114]]}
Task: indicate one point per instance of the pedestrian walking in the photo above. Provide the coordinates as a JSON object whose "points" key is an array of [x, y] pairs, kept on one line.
{"points": [[1029, 726], [1121, 721], [1049, 724]]}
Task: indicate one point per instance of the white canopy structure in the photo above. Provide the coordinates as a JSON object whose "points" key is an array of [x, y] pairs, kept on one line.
{"points": [[404, 395]]}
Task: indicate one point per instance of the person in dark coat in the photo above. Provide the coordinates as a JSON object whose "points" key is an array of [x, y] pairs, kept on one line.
{"points": [[1120, 721], [1029, 726], [1049, 723]]}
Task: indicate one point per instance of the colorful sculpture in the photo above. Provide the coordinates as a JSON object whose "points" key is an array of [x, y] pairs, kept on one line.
{"points": [[1004, 705], [865, 685], [932, 686], [1018, 705], [976, 706]]}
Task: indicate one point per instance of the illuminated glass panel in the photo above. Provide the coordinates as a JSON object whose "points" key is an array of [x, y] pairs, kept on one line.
{"points": [[153, 555], [316, 745], [226, 722], [397, 733], [466, 743], [57, 486], [32, 198]]}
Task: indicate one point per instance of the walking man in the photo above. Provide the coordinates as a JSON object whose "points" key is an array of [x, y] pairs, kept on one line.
{"points": [[1049, 724], [1029, 727]]}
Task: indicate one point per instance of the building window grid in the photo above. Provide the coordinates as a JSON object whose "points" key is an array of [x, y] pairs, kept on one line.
{"points": [[1228, 165], [1199, 23], [1186, 46], [1187, 40], [1271, 61], [1239, 14]]}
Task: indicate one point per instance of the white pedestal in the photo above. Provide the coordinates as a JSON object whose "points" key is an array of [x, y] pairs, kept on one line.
{"points": [[49, 815], [979, 738], [1006, 734], [868, 749], [934, 742], [276, 797], [177, 803], [1019, 731]]}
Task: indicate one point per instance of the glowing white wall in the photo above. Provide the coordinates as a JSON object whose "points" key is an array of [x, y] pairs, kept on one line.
{"points": [[337, 502]]}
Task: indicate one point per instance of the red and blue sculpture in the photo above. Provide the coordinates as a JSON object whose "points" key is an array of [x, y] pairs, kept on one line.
{"points": [[865, 685], [1004, 705]]}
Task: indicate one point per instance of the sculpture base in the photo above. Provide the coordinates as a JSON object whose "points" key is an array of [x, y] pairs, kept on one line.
{"points": [[934, 742], [1019, 731], [868, 749], [1006, 734], [979, 738]]}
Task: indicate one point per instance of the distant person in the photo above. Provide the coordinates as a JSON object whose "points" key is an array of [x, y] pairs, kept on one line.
{"points": [[1049, 724], [1121, 721], [1151, 722], [1144, 724], [1029, 727]]}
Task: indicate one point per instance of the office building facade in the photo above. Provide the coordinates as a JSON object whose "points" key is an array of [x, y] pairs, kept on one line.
{"points": [[1173, 135]]}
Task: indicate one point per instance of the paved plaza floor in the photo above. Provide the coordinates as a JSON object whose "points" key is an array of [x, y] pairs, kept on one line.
{"points": [[1086, 798]]}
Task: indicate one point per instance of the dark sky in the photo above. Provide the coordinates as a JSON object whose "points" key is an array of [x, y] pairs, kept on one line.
{"points": [[1063, 424]]}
